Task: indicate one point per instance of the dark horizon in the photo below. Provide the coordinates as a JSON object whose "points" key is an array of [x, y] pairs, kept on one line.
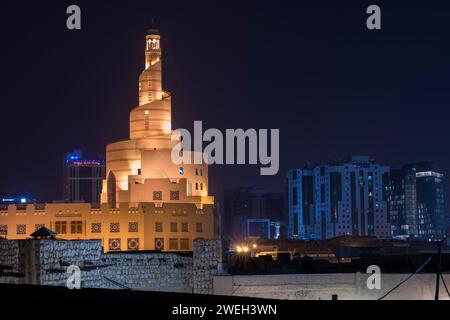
{"points": [[314, 71]]}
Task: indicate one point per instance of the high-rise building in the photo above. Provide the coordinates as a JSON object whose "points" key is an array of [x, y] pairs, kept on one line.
{"points": [[82, 178], [416, 201], [248, 209], [340, 197]]}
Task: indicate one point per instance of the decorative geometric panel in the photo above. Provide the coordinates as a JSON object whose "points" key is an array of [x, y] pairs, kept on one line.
{"points": [[21, 229], [3, 228], [157, 195], [133, 227], [133, 244], [159, 243], [114, 244], [174, 195], [96, 227], [38, 226], [114, 227]]}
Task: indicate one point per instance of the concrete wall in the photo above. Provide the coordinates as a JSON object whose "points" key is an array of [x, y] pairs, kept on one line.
{"points": [[323, 286]]}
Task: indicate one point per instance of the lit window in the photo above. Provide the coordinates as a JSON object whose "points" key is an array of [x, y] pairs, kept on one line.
{"points": [[181, 170]]}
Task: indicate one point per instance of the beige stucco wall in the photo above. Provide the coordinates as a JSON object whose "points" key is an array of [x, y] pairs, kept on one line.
{"points": [[145, 215]]}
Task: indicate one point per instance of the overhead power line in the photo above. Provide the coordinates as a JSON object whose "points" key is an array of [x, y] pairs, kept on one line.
{"points": [[409, 277]]}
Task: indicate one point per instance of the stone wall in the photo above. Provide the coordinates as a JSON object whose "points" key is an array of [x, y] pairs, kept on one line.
{"points": [[11, 262], [150, 271], [53, 258], [45, 262], [210, 257]]}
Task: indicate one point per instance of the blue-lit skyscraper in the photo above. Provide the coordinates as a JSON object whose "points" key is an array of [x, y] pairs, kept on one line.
{"points": [[340, 197]]}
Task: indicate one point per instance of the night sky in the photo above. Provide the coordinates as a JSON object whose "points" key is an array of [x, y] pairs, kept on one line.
{"points": [[310, 68]]}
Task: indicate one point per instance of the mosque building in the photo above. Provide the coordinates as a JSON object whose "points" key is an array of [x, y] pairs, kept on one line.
{"points": [[147, 201]]}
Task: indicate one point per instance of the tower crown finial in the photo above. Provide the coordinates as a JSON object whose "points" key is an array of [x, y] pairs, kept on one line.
{"points": [[152, 30]]}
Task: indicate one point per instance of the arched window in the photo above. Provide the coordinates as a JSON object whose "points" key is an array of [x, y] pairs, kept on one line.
{"points": [[111, 188]]}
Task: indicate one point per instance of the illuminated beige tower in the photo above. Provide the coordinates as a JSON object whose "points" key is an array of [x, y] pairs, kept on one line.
{"points": [[148, 202], [140, 169]]}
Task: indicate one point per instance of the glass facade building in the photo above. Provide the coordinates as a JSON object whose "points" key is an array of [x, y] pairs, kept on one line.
{"points": [[416, 202]]}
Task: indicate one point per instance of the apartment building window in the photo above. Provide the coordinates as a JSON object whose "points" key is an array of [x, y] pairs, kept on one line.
{"points": [[184, 227], [199, 227], [76, 227], [201, 172], [181, 170], [196, 186], [114, 227], [61, 227], [158, 227], [173, 227], [196, 171], [133, 227], [173, 244], [21, 229], [184, 244], [201, 186]]}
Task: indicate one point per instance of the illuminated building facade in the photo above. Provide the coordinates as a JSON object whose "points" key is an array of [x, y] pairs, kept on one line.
{"points": [[82, 178], [147, 202], [416, 202], [341, 197]]}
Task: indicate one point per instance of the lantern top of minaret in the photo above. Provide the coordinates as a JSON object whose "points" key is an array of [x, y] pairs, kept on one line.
{"points": [[152, 30]]}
